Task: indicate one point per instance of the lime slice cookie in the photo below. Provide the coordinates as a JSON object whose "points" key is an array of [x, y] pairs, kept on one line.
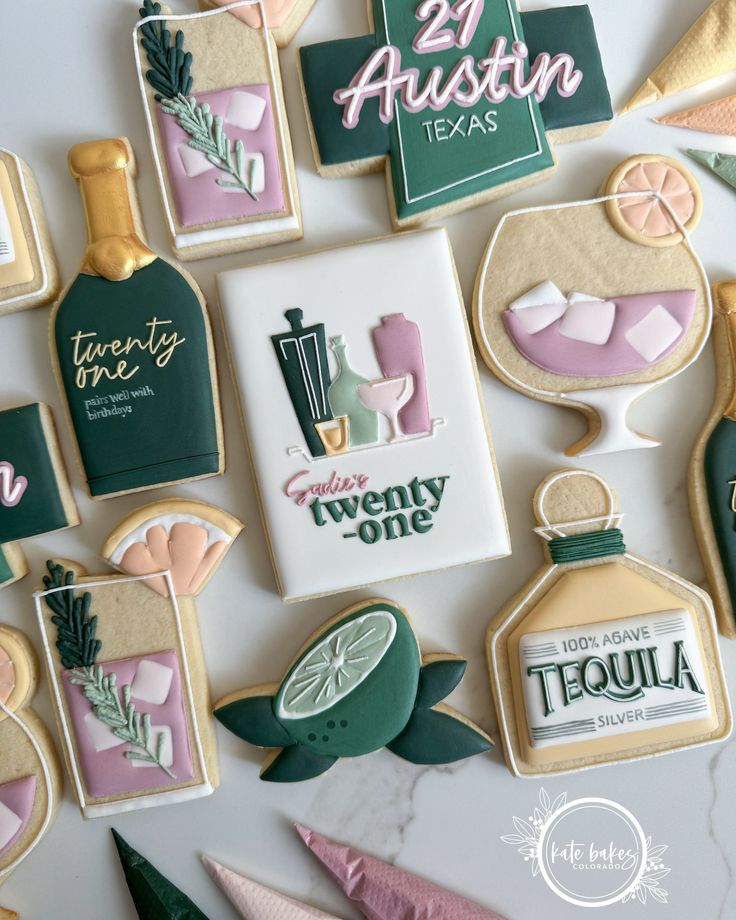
{"points": [[187, 538], [359, 684]]}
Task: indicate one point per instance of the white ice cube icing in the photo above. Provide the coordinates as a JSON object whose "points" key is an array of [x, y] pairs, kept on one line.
{"points": [[539, 307], [152, 682], [654, 334], [194, 161], [254, 171], [100, 735], [10, 824], [167, 750], [589, 321], [245, 110]]}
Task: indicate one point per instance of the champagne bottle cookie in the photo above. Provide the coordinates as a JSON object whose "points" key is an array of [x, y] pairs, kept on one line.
{"points": [[358, 684], [125, 661], [603, 656], [211, 89], [29, 276], [30, 775], [132, 344]]}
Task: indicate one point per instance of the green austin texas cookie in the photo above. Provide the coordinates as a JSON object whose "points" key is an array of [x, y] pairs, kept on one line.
{"points": [[359, 684]]}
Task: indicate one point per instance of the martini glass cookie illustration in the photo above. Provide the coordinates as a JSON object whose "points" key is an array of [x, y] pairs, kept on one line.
{"points": [[712, 474], [35, 495], [29, 276], [30, 774], [559, 323], [283, 18], [132, 344], [125, 661], [211, 89], [358, 684], [361, 440], [394, 98], [604, 656]]}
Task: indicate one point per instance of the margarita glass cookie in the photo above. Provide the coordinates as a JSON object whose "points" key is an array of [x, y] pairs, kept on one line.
{"points": [[382, 891], [706, 50], [358, 684], [590, 304], [371, 461], [393, 97], [712, 475], [153, 895], [132, 345], [125, 661], [603, 656], [211, 90], [30, 775], [29, 276], [283, 17], [35, 495]]}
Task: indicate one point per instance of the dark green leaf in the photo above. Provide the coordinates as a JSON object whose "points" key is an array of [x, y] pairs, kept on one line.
{"points": [[433, 737], [252, 719], [437, 679], [296, 763]]}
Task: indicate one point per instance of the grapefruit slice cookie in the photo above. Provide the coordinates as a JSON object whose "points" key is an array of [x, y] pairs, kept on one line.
{"points": [[30, 775], [357, 685], [125, 660], [591, 304], [603, 656], [29, 276]]}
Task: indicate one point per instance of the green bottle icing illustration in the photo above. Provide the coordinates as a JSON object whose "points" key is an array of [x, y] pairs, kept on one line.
{"points": [[344, 399], [133, 343], [302, 356]]}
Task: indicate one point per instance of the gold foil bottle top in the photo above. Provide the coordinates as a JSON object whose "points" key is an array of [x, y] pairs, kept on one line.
{"points": [[724, 297], [104, 169]]}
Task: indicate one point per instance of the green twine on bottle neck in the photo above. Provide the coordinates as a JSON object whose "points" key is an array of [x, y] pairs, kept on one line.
{"points": [[590, 545]]}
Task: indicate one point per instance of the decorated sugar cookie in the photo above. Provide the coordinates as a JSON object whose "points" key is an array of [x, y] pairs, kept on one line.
{"points": [[132, 344], [283, 17], [358, 684], [603, 656], [256, 902], [712, 476], [153, 895], [29, 276], [211, 89], [382, 891], [35, 495], [125, 660], [30, 775], [460, 100], [706, 50], [6, 914], [591, 304], [369, 457]]}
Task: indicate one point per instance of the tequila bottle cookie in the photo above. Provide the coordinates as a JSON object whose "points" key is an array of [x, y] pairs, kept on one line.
{"points": [[29, 276], [560, 324], [358, 684], [603, 656], [211, 90], [30, 775], [125, 661], [132, 344]]}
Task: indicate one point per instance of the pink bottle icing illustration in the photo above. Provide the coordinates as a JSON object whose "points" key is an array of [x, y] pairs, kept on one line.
{"points": [[398, 345]]}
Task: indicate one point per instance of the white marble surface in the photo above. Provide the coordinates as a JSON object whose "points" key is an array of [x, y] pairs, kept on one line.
{"points": [[67, 73]]}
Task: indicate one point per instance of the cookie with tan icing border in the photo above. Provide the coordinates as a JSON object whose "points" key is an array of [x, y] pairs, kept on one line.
{"points": [[583, 305], [30, 775], [126, 665], [602, 656], [29, 276]]}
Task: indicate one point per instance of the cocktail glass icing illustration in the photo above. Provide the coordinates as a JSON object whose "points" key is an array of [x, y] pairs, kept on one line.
{"points": [[388, 395], [335, 435]]}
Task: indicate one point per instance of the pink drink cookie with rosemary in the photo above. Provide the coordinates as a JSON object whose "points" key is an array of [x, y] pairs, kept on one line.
{"points": [[125, 660], [603, 656], [30, 774], [589, 304], [358, 684]]}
